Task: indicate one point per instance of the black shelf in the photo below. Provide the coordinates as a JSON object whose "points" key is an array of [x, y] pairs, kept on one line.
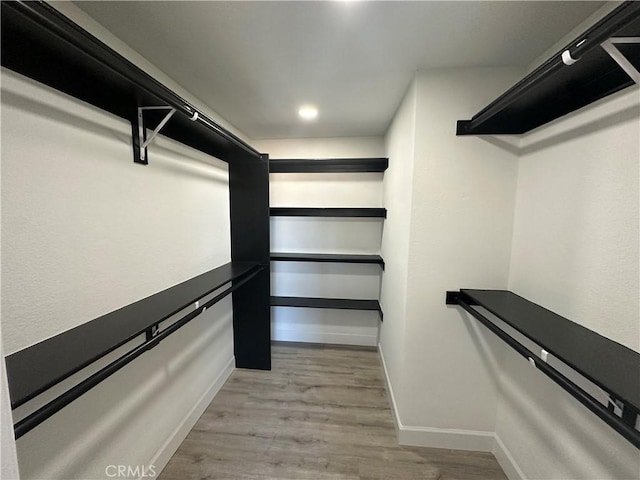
{"points": [[338, 165], [330, 303], [613, 367], [328, 212], [41, 43], [33, 370], [555, 89], [327, 258]]}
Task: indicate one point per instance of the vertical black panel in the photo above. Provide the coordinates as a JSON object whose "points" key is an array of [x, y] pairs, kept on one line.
{"points": [[249, 199], [252, 323]]}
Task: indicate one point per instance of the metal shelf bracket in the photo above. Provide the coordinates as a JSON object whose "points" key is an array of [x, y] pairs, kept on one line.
{"points": [[610, 47], [140, 146]]}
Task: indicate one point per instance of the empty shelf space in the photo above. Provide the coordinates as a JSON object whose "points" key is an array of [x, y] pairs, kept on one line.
{"points": [[333, 303], [328, 212], [34, 369], [327, 257], [337, 165]]}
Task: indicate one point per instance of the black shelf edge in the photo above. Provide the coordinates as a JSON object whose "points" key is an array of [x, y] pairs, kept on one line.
{"points": [[555, 89], [327, 257], [330, 303], [34, 369], [338, 165], [608, 364], [66, 57], [328, 212]]}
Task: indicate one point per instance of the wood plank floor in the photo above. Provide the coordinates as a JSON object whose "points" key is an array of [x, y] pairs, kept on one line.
{"points": [[321, 413]]}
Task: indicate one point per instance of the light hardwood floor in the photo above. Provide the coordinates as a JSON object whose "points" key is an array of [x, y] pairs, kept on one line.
{"points": [[320, 413]]}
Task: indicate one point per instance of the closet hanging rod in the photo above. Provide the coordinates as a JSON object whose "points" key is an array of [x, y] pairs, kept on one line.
{"points": [[153, 339], [33, 370], [558, 87], [516, 311], [53, 37]]}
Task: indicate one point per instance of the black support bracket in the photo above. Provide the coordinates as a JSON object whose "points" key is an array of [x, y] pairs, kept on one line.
{"points": [[152, 332], [139, 153]]}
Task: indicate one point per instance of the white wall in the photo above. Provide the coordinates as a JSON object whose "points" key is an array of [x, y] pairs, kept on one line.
{"points": [[325, 235], [86, 231], [575, 251], [463, 192], [8, 456], [552, 216], [400, 145]]}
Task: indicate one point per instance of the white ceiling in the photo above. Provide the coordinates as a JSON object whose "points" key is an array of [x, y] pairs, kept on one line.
{"points": [[255, 63]]}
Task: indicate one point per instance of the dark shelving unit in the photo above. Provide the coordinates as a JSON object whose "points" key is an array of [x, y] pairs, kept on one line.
{"points": [[611, 366], [331, 303], [328, 165], [327, 258], [328, 212], [555, 89]]}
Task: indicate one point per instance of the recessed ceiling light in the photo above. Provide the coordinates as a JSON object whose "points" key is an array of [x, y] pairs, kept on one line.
{"points": [[308, 112]]}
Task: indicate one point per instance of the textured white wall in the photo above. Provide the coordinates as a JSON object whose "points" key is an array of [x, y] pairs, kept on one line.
{"points": [[456, 195], [400, 143], [86, 231], [8, 457], [344, 147], [575, 251], [461, 228], [325, 235]]}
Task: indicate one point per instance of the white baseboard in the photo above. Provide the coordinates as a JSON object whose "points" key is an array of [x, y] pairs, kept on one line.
{"points": [[293, 335], [478, 441], [511, 469], [166, 451], [473, 440], [392, 397]]}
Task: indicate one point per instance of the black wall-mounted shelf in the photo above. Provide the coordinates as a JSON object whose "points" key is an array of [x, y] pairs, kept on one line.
{"points": [[611, 366], [34, 369], [41, 43], [335, 165], [328, 212], [327, 258], [555, 89], [330, 303]]}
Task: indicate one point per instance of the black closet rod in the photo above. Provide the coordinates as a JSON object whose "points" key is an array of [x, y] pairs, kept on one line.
{"points": [[48, 17], [592, 38], [43, 413], [624, 429]]}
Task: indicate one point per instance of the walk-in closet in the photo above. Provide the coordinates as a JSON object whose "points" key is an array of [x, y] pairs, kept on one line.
{"points": [[320, 240]]}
